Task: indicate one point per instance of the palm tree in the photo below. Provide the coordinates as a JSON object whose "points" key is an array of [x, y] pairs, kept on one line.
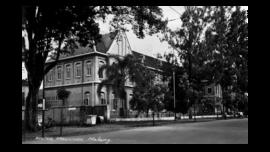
{"points": [[123, 69]]}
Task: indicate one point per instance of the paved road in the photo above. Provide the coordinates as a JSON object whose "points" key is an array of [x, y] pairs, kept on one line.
{"points": [[234, 131]]}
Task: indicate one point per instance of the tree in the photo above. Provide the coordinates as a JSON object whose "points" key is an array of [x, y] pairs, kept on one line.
{"points": [[51, 31], [212, 45], [182, 89], [63, 95], [187, 41], [155, 96], [227, 40], [117, 74], [147, 95]]}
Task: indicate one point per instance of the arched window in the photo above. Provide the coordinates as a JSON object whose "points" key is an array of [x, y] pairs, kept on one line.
{"points": [[68, 74], [51, 75], [78, 69], [59, 72], [102, 98], [86, 100], [101, 74], [88, 68]]}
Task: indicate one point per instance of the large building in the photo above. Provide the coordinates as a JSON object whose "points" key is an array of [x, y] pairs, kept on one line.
{"points": [[78, 73]]}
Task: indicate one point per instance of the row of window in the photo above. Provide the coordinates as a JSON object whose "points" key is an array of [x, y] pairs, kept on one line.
{"points": [[77, 71]]}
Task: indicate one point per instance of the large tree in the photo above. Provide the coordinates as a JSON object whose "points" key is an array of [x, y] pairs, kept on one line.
{"points": [[53, 30], [227, 40], [212, 45], [189, 73], [148, 94]]}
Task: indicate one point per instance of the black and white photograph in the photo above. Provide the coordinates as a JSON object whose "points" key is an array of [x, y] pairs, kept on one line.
{"points": [[134, 74]]}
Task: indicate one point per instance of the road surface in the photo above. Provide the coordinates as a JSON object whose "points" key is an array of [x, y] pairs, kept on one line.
{"points": [[233, 131]]}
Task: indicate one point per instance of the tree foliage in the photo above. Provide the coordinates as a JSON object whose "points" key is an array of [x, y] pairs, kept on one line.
{"points": [[147, 94]]}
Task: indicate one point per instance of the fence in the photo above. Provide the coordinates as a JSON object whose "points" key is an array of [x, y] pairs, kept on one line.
{"points": [[74, 115]]}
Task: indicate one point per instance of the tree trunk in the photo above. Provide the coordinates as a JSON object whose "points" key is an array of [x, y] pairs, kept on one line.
{"points": [[31, 108], [35, 78]]}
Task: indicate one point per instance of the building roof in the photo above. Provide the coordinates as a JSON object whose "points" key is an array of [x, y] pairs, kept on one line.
{"points": [[102, 46]]}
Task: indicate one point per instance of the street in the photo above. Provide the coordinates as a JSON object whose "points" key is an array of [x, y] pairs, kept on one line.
{"points": [[232, 131]]}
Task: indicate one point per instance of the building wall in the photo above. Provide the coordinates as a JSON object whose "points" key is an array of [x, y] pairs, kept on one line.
{"points": [[216, 91], [78, 86]]}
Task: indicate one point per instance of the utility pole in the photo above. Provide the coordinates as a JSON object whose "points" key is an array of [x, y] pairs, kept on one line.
{"points": [[43, 104], [174, 96], [174, 105]]}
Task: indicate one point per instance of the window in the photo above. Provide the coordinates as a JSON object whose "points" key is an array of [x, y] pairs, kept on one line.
{"points": [[88, 68], [114, 101], [68, 71], [158, 77], [47, 77], [209, 90], [51, 75], [102, 97], [86, 98], [78, 69], [101, 74], [23, 99], [59, 73], [130, 97]]}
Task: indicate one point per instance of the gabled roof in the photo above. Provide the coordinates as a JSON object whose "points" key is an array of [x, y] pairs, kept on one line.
{"points": [[102, 46]]}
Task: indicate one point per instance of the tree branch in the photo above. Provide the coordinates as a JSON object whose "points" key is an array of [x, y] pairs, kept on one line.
{"points": [[50, 66]]}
